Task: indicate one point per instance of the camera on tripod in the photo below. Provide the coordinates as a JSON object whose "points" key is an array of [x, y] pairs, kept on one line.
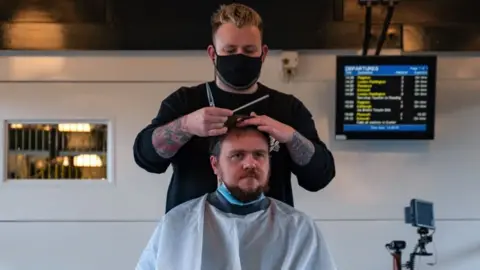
{"points": [[420, 215], [396, 245]]}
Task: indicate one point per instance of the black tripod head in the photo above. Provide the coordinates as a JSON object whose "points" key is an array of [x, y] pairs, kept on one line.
{"points": [[424, 240]]}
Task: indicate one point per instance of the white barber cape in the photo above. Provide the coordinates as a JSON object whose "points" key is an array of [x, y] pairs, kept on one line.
{"points": [[197, 236]]}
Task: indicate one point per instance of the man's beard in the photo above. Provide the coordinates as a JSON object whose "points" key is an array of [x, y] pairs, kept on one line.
{"points": [[247, 195]]}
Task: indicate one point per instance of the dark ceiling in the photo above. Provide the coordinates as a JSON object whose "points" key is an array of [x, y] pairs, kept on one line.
{"points": [[418, 25]]}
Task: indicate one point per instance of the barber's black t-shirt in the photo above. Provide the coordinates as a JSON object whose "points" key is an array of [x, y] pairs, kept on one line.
{"points": [[192, 173]]}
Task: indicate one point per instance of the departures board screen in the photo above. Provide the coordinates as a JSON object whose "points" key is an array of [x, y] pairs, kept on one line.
{"points": [[385, 97]]}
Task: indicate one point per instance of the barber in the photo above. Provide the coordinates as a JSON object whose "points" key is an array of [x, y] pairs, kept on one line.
{"points": [[179, 134]]}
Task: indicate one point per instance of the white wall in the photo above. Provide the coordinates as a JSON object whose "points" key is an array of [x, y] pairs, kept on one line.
{"points": [[359, 212]]}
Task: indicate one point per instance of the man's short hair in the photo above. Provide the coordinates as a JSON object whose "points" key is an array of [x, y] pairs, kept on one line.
{"points": [[238, 14], [217, 141]]}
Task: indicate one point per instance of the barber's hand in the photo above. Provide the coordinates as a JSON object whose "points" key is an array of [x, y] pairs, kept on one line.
{"points": [[208, 121], [279, 131]]}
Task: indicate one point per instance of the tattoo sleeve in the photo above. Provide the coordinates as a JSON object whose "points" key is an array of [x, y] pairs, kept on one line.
{"points": [[168, 139], [301, 149]]}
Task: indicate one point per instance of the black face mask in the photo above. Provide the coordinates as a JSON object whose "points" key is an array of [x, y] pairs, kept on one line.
{"points": [[238, 71]]}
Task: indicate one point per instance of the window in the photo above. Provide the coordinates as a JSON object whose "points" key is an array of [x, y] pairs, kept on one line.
{"points": [[50, 151]]}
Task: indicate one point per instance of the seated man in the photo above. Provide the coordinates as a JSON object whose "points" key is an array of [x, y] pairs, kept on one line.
{"points": [[237, 227]]}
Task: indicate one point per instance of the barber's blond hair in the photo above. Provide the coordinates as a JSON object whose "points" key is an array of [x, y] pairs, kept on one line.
{"points": [[238, 14]]}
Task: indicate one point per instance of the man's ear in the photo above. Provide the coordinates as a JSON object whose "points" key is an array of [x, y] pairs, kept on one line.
{"points": [[211, 52], [214, 164], [264, 52]]}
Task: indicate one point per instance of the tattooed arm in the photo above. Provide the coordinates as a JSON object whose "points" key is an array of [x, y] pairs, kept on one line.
{"points": [[311, 161], [168, 139], [159, 141], [301, 149]]}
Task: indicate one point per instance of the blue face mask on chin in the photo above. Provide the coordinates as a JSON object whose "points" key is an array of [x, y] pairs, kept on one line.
{"points": [[231, 199]]}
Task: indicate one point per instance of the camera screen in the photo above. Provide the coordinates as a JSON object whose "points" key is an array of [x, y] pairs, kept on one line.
{"points": [[424, 214]]}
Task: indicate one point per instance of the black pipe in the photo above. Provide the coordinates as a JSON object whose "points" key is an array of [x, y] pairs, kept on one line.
{"points": [[386, 25], [368, 28]]}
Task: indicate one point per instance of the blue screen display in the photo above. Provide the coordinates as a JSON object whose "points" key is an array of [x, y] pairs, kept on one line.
{"points": [[385, 98], [393, 70], [383, 127]]}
